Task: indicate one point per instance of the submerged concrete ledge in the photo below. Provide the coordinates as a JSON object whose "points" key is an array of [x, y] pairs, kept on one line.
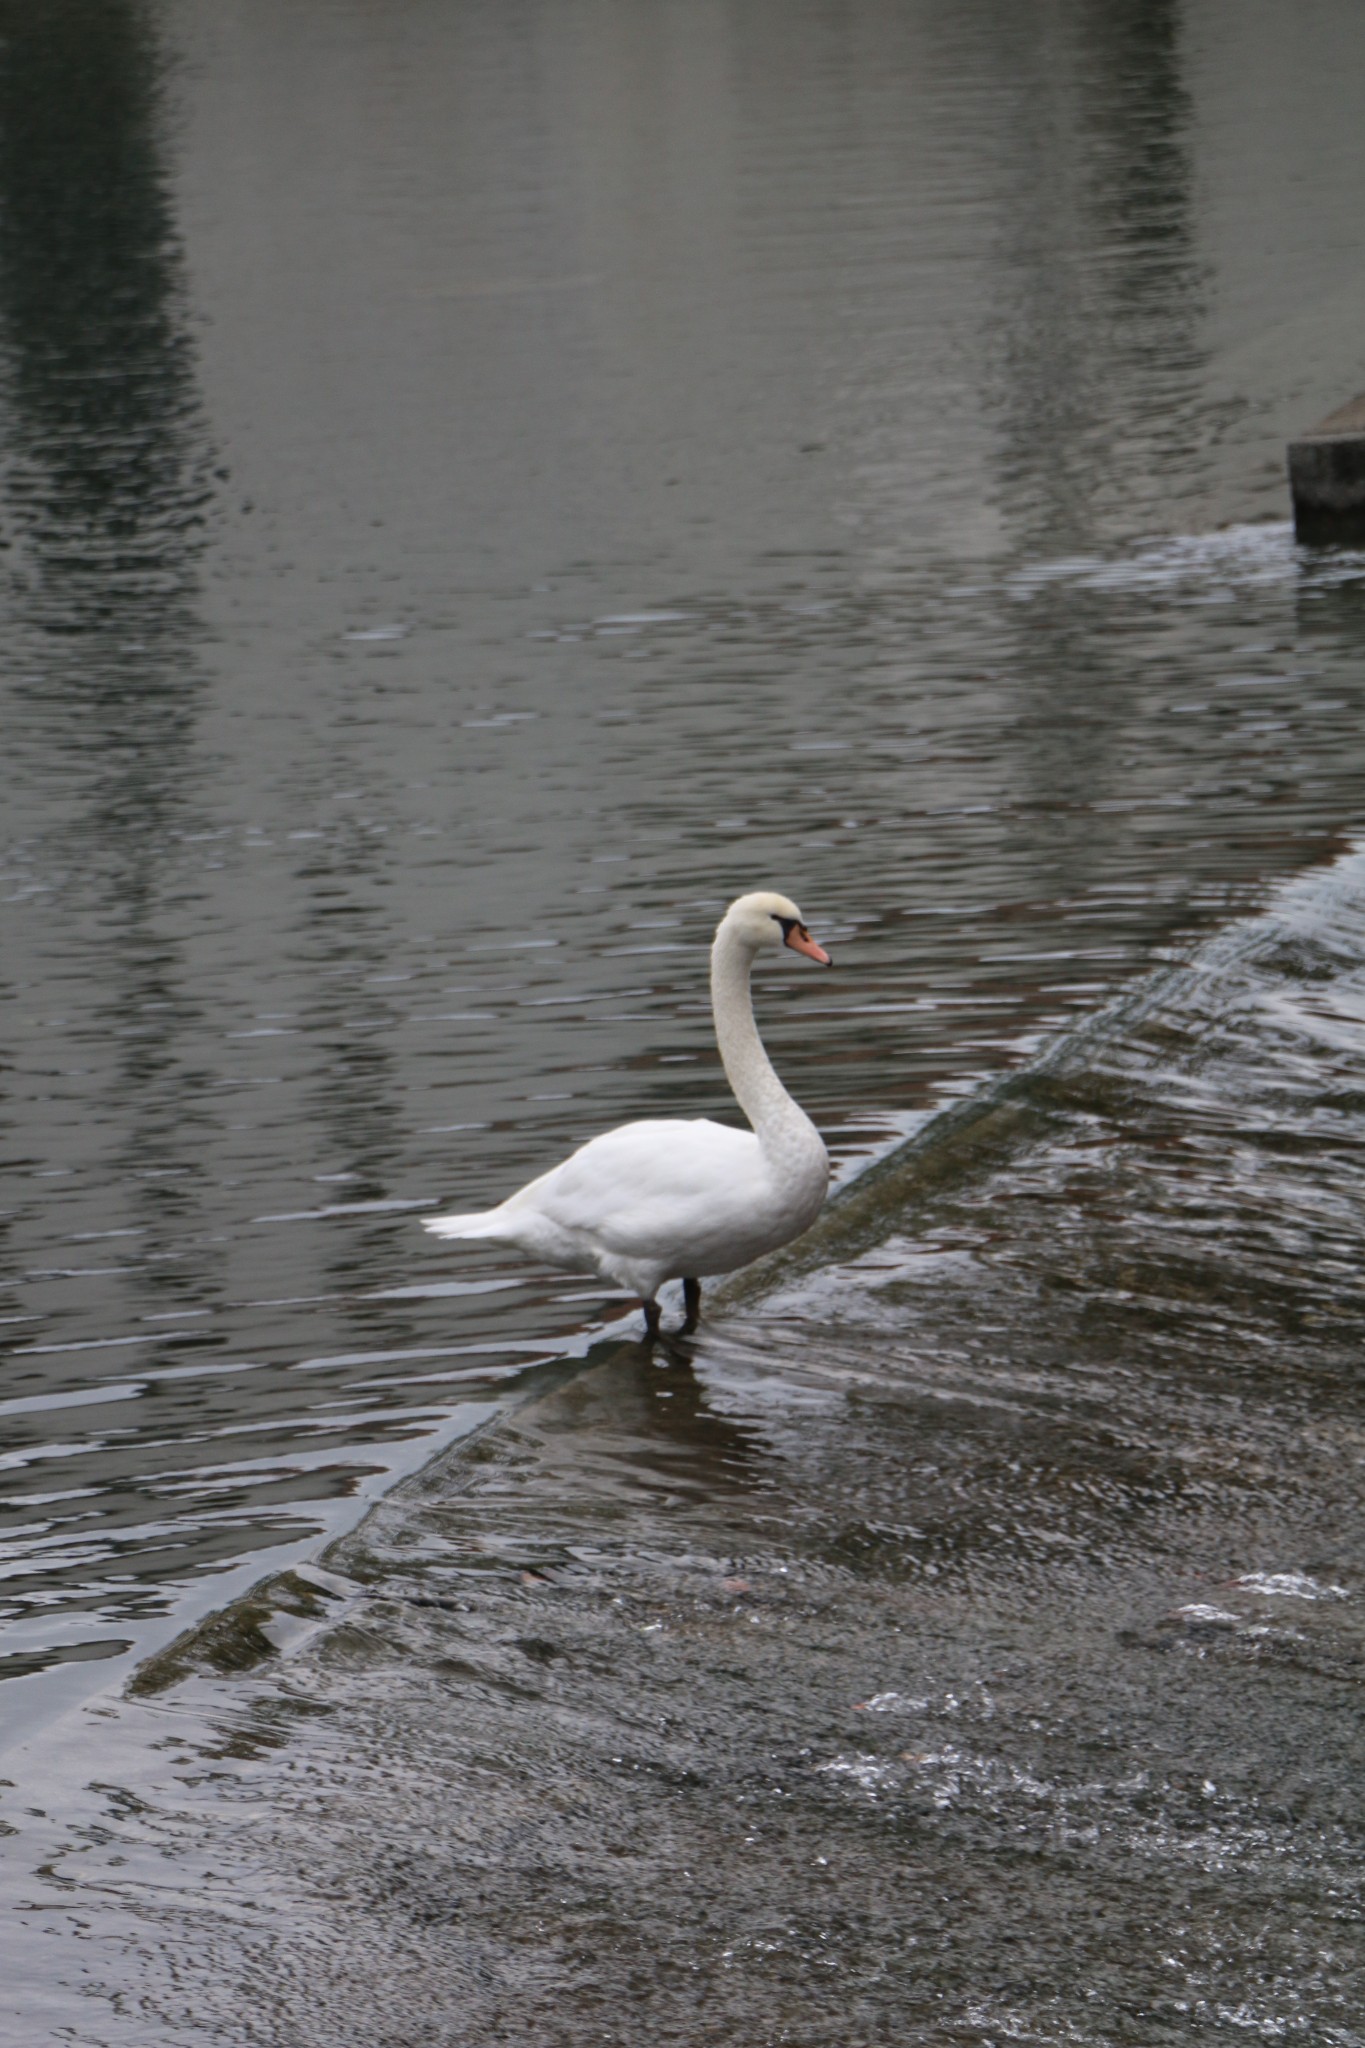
{"points": [[1327, 477]]}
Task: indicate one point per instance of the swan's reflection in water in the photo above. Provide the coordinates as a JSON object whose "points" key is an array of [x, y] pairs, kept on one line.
{"points": [[649, 1409], [634, 1429]]}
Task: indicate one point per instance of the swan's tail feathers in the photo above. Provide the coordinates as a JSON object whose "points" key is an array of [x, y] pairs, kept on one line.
{"points": [[476, 1223]]}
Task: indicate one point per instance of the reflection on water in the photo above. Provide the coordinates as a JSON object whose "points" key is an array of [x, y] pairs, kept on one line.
{"points": [[105, 489], [480, 488], [1105, 287], [106, 470]]}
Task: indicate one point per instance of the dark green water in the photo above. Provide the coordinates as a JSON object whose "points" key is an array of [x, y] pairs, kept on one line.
{"points": [[480, 487]]}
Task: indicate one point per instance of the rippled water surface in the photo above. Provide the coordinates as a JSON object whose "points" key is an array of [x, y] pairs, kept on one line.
{"points": [[481, 486]]}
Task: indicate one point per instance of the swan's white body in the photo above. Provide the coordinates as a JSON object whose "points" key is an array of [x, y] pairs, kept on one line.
{"points": [[666, 1200]]}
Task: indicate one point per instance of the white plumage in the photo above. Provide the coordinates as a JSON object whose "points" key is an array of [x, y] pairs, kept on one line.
{"points": [[664, 1200]]}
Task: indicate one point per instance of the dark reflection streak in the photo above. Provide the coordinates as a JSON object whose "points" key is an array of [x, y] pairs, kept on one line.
{"points": [[1101, 373], [106, 486], [356, 1099], [1138, 196], [106, 482], [1100, 362]]}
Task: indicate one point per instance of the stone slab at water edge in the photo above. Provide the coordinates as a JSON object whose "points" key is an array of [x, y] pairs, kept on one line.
{"points": [[1327, 477]]}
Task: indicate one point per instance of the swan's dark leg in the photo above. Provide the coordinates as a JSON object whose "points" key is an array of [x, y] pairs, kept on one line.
{"points": [[652, 1315], [691, 1305]]}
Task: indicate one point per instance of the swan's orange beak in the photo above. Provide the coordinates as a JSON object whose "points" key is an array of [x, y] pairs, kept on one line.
{"points": [[800, 941]]}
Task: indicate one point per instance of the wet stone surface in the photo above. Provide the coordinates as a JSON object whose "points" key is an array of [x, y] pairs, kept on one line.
{"points": [[580, 1762]]}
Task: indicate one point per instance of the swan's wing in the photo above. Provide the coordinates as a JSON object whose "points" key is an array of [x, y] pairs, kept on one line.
{"points": [[654, 1184]]}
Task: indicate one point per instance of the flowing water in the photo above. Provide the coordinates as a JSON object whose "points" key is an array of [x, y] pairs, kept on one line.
{"points": [[481, 486]]}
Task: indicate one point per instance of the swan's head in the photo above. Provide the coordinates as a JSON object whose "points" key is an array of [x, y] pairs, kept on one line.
{"points": [[767, 919]]}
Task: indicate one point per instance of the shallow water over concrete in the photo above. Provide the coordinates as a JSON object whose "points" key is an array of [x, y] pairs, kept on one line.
{"points": [[481, 488]]}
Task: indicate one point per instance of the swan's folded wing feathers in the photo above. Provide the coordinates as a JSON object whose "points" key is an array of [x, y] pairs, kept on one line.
{"points": [[654, 1181]]}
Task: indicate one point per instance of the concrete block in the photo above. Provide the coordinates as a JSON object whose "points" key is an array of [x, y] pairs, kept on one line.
{"points": [[1327, 477]]}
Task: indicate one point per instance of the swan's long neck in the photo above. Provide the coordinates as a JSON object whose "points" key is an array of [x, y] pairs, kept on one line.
{"points": [[766, 1103]]}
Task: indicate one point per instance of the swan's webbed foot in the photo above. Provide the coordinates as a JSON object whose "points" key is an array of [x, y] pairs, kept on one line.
{"points": [[691, 1312]]}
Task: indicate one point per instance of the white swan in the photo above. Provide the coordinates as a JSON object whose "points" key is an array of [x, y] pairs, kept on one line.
{"points": [[666, 1200]]}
